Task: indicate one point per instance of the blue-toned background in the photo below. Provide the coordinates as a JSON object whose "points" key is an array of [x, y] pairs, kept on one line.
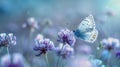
{"points": [[61, 14]]}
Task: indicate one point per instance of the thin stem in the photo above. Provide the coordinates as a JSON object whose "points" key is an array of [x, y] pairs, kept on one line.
{"points": [[8, 51], [61, 61], [59, 58], [30, 35], [58, 61], [65, 63], [107, 62], [46, 59]]}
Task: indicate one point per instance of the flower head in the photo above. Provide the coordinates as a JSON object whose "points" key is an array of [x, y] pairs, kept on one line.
{"points": [[39, 36], [66, 36], [64, 50], [6, 40], [15, 60], [31, 24], [118, 54], [43, 46], [110, 43]]}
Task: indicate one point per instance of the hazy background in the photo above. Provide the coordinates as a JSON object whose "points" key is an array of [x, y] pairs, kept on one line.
{"points": [[62, 14]]}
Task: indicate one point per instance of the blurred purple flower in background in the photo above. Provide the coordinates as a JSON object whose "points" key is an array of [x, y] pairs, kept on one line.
{"points": [[31, 23], [39, 37], [43, 46], [6, 40], [118, 54], [84, 49], [15, 60], [64, 51], [110, 43], [80, 62], [106, 55], [66, 36]]}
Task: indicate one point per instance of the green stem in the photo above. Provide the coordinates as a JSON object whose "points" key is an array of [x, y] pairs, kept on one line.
{"points": [[46, 59]]}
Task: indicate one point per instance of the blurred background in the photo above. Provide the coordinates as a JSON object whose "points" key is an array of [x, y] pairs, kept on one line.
{"points": [[52, 16]]}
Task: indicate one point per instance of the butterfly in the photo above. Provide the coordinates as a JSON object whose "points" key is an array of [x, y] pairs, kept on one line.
{"points": [[87, 30]]}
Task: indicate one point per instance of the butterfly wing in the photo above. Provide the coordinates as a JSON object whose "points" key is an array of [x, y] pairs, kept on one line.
{"points": [[87, 24], [91, 36], [86, 30]]}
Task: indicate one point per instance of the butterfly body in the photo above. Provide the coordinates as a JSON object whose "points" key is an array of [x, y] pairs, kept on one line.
{"points": [[86, 30]]}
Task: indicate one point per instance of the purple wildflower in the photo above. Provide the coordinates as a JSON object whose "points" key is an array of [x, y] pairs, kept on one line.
{"points": [[15, 60], [110, 43], [66, 36], [39, 36], [64, 51], [43, 45], [118, 54], [6, 40], [31, 24]]}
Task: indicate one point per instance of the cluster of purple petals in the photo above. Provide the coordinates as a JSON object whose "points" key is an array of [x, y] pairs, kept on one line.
{"points": [[43, 46], [66, 36], [6, 40]]}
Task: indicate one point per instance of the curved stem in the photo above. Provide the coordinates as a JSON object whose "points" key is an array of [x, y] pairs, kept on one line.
{"points": [[46, 59]]}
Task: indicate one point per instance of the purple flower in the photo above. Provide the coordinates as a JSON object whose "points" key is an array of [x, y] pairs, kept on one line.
{"points": [[6, 40], [66, 36], [15, 60], [31, 24], [64, 51], [39, 37], [43, 46], [118, 54], [110, 43]]}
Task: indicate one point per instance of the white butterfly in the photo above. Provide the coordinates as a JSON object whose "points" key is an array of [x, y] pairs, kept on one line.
{"points": [[87, 30]]}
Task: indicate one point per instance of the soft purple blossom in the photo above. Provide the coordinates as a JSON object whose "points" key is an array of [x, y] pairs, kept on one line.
{"points": [[31, 24], [84, 49], [64, 51], [15, 60], [43, 46], [110, 43], [6, 40], [66, 36], [12, 39], [39, 36], [118, 54]]}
